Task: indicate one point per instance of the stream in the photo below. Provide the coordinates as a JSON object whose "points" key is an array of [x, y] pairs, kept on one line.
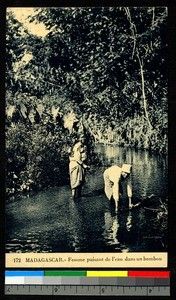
{"points": [[50, 221]]}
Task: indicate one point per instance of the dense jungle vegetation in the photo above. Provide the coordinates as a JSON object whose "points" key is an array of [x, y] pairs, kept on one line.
{"points": [[100, 72]]}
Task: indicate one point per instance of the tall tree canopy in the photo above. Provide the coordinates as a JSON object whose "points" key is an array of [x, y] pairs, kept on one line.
{"points": [[103, 68]]}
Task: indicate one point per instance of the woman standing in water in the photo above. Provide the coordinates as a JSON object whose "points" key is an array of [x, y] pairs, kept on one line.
{"points": [[77, 169]]}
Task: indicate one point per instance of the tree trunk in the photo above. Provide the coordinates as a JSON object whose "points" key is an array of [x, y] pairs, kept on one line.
{"points": [[143, 91], [135, 50]]}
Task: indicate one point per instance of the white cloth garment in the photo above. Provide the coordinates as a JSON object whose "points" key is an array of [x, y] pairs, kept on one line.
{"points": [[112, 177]]}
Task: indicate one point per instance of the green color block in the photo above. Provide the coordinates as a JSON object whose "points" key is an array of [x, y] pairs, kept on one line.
{"points": [[65, 273]]}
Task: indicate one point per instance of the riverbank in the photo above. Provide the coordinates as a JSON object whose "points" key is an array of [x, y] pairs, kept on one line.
{"points": [[49, 168], [132, 132]]}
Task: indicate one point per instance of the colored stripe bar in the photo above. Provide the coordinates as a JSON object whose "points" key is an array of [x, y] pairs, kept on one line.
{"points": [[62, 273], [24, 273], [107, 273], [155, 274], [65, 273]]}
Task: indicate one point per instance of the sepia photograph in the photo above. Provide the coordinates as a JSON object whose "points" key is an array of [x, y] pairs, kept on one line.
{"points": [[86, 133]]}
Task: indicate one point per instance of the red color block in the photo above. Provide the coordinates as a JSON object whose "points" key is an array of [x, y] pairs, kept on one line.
{"points": [[154, 274]]}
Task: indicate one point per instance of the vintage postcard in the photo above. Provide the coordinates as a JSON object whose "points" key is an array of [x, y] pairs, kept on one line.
{"points": [[86, 137]]}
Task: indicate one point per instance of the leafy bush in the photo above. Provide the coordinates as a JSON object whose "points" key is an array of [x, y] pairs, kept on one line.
{"points": [[35, 158]]}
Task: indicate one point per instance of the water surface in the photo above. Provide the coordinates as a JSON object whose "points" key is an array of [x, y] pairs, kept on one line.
{"points": [[50, 221]]}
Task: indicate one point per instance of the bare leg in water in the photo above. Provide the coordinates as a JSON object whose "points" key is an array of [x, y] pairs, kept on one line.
{"points": [[76, 192]]}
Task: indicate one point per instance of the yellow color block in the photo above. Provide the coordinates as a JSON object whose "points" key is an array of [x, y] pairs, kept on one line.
{"points": [[107, 273]]}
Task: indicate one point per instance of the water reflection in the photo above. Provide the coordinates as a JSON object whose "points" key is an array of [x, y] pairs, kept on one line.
{"points": [[129, 222], [76, 225], [110, 228], [116, 230]]}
